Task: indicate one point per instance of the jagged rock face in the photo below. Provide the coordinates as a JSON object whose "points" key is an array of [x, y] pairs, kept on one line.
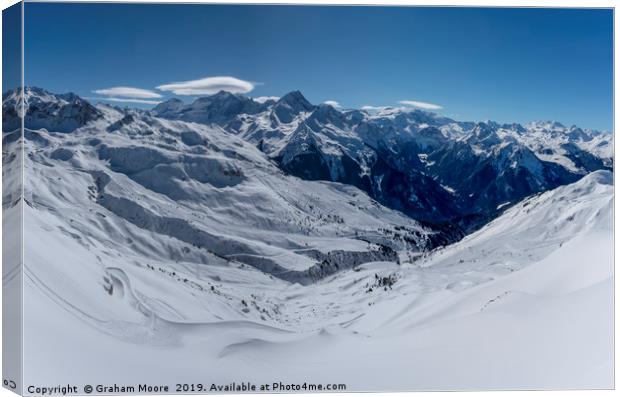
{"points": [[483, 182], [304, 157], [60, 113], [485, 135], [582, 158], [290, 106], [325, 115], [413, 193]]}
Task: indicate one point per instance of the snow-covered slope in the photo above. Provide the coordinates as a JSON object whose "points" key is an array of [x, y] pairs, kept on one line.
{"points": [[202, 195], [151, 237], [526, 302]]}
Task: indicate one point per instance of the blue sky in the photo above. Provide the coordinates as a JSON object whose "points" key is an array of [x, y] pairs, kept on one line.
{"points": [[474, 63], [11, 46]]}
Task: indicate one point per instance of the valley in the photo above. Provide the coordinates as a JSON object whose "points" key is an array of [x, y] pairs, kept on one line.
{"points": [[325, 243]]}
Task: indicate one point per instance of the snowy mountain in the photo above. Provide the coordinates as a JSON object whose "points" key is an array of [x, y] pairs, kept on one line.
{"points": [[220, 107], [210, 196], [391, 242], [60, 113], [430, 167]]}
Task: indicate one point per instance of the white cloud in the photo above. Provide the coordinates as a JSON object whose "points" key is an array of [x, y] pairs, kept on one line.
{"points": [[128, 92], [332, 103], [209, 86], [263, 99], [370, 108], [421, 105], [125, 100]]}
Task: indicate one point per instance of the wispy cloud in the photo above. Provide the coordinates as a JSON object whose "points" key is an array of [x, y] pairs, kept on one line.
{"points": [[263, 99], [332, 103], [421, 105], [124, 100], [209, 86], [128, 92], [370, 108]]}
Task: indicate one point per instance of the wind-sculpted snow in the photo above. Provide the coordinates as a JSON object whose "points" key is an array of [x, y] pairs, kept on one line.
{"points": [[131, 160], [150, 237], [231, 249], [163, 174]]}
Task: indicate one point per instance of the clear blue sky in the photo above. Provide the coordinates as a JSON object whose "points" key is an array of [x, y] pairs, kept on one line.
{"points": [[11, 47], [500, 64]]}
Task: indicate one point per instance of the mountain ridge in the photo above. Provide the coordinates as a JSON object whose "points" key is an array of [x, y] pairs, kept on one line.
{"points": [[430, 167]]}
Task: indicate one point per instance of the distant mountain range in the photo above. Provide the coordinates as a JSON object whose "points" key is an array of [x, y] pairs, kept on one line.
{"points": [[432, 168]]}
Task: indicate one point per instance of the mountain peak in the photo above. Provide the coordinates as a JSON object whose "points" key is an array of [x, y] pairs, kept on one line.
{"points": [[171, 105], [173, 100], [484, 133], [225, 95], [515, 127], [290, 105], [325, 114], [547, 125], [221, 107], [220, 97], [483, 130], [327, 110], [296, 99], [30, 92], [55, 112]]}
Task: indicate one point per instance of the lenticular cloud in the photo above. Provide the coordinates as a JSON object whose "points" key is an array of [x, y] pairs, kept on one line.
{"points": [[128, 92], [209, 86], [421, 105]]}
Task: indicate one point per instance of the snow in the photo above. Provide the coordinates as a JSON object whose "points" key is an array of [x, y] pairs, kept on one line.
{"points": [[451, 325], [263, 99], [502, 205], [178, 249]]}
